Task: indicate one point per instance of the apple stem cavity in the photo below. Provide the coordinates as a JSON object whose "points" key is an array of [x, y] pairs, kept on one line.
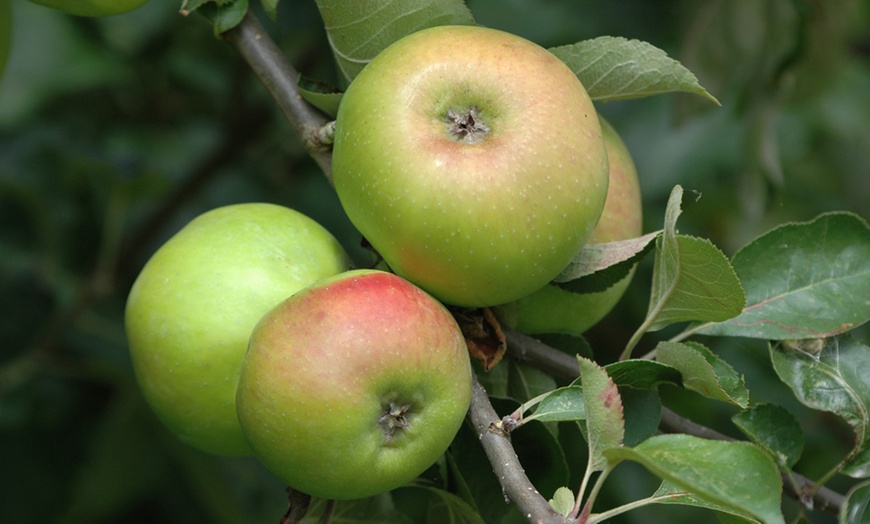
{"points": [[467, 127], [394, 419]]}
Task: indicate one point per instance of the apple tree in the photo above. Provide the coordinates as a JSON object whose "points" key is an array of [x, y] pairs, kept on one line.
{"points": [[647, 238]]}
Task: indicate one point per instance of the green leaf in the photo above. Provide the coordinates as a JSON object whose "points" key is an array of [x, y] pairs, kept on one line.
{"points": [[359, 30], [856, 509], [735, 475], [671, 494], [803, 280], [323, 97], [563, 501], [643, 374], [775, 430], [642, 409], [440, 506], [605, 425], [561, 405], [224, 15], [614, 68], [704, 372], [835, 380], [598, 266], [373, 510], [271, 8], [526, 382], [692, 279]]}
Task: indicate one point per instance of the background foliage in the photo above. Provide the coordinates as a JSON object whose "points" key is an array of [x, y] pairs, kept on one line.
{"points": [[115, 132]]}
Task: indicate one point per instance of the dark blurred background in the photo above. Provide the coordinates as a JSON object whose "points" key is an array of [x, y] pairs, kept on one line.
{"points": [[115, 132]]}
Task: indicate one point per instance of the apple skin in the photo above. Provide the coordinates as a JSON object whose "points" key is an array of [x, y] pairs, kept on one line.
{"points": [[472, 160], [192, 308], [92, 7], [555, 310], [325, 367]]}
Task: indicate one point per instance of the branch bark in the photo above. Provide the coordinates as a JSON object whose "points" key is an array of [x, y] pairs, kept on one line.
{"points": [[505, 463], [268, 63]]}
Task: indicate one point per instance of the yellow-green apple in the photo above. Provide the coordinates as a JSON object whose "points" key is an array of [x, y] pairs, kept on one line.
{"points": [[472, 160], [93, 7], [354, 386], [555, 310], [193, 306]]}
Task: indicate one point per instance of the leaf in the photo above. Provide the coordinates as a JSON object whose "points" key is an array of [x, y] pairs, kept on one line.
{"points": [[775, 430], [605, 425], [561, 405], [837, 379], [323, 97], [803, 280], [642, 410], [671, 494], [373, 510], [692, 279], [735, 475], [563, 501], [643, 374], [440, 506], [598, 266], [271, 8], [224, 15], [856, 509], [359, 30], [704, 372], [615, 68]]}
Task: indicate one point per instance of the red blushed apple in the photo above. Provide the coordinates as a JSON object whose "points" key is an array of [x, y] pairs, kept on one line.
{"points": [[354, 386], [472, 160], [555, 310]]}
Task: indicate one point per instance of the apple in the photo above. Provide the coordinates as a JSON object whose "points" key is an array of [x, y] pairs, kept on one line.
{"points": [[192, 308], [354, 386], [472, 160], [92, 7], [555, 310]]}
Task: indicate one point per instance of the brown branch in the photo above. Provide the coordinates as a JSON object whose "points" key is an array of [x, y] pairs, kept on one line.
{"points": [[269, 65], [505, 463], [559, 364]]}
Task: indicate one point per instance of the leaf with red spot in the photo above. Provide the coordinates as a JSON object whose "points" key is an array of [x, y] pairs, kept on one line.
{"points": [[605, 424]]}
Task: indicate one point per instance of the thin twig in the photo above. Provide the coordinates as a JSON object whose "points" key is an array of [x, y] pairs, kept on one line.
{"points": [[505, 463], [270, 65]]}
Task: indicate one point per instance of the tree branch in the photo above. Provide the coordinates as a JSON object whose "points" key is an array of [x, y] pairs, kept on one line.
{"points": [[559, 364], [505, 463], [269, 65]]}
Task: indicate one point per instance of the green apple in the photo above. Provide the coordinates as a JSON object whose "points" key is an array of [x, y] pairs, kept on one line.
{"points": [[555, 310], [472, 160], [92, 7], [192, 308], [354, 386]]}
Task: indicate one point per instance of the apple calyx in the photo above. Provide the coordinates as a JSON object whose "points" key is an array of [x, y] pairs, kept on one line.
{"points": [[394, 420], [467, 127]]}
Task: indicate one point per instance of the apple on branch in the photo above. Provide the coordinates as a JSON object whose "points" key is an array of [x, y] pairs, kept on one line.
{"points": [[552, 309], [191, 311], [472, 160], [354, 386]]}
